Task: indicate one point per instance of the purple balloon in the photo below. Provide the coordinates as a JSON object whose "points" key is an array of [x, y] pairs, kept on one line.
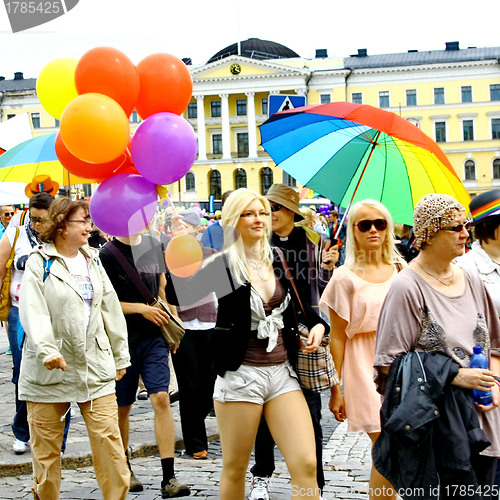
{"points": [[123, 205], [164, 148]]}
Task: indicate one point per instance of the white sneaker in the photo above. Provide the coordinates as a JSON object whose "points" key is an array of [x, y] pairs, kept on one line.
{"points": [[19, 447], [259, 490]]}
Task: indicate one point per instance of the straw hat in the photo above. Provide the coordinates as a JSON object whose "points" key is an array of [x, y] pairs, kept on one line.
{"points": [[41, 183]]}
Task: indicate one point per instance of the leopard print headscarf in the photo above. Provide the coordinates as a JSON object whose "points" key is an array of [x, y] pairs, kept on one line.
{"points": [[433, 212]]}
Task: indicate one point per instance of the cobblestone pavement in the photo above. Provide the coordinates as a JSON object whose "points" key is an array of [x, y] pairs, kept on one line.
{"points": [[347, 458]]}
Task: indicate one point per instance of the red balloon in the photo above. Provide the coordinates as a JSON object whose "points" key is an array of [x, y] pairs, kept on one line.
{"points": [[166, 85], [104, 70], [86, 170]]}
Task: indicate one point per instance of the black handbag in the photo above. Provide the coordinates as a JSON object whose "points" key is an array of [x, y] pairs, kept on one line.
{"points": [[174, 330]]}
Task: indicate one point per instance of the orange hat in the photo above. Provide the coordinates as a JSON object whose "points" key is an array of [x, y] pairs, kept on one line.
{"points": [[41, 183]]}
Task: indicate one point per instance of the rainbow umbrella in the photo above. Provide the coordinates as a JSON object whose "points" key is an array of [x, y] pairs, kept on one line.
{"points": [[33, 157], [350, 152]]}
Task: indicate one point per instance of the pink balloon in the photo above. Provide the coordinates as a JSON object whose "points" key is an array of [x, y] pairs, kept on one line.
{"points": [[164, 148], [123, 205]]}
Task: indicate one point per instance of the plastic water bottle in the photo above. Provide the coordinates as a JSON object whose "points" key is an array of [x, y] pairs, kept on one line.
{"points": [[479, 360]]}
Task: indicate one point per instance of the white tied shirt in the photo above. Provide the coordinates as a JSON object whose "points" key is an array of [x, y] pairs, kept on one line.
{"points": [[267, 326]]}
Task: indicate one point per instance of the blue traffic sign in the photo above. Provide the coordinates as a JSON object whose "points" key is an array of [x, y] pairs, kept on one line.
{"points": [[281, 102]]}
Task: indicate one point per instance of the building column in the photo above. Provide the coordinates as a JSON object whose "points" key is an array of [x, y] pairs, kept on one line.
{"points": [[202, 133], [226, 138], [252, 133]]}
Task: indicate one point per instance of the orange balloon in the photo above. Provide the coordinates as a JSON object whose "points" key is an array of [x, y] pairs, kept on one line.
{"points": [[108, 71], [166, 85], [183, 255], [95, 128]]}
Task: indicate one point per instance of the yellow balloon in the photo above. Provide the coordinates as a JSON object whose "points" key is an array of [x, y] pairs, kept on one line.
{"points": [[55, 85]]}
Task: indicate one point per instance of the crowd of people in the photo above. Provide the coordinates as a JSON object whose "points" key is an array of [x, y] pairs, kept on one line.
{"points": [[400, 308]]}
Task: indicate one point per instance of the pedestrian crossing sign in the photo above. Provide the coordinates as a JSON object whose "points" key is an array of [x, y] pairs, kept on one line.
{"points": [[282, 102]]}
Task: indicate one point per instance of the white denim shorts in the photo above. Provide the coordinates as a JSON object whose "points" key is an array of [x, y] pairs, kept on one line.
{"points": [[256, 384]]}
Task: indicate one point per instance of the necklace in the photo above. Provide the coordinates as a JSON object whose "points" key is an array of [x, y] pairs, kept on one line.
{"points": [[257, 266], [436, 278]]}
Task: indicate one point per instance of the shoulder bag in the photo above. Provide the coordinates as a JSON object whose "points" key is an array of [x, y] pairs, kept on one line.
{"points": [[5, 302], [174, 330], [316, 370]]}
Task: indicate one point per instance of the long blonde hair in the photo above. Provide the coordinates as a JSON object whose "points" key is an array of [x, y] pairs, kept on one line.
{"points": [[390, 255], [234, 206]]}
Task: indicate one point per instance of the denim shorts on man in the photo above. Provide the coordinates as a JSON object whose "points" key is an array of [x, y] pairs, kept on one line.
{"points": [[149, 359], [256, 384]]}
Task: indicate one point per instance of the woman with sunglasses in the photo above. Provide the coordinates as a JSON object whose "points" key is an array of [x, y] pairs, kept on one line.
{"points": [[436, 307], [253, 347], [26, 240], [75, 348], [353, 299]]}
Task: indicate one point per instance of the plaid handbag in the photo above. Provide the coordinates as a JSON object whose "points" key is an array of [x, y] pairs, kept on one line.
{"points": [[316, 370]]}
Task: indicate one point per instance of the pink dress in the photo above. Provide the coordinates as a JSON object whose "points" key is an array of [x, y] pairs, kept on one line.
{"points": [[359, 303]]}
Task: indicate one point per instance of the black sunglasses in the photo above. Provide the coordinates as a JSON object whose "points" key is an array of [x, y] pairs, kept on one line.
{"points": [[276, 208], [36, 219], [9, 213], [366, 224], [457, 229]]}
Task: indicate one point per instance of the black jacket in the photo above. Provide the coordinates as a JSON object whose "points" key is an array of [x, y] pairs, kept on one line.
{"points": [[229, 342], [427, 424]]}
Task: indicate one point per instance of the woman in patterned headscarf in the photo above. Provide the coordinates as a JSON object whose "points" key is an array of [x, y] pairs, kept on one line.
{"points": [[435, 306]]}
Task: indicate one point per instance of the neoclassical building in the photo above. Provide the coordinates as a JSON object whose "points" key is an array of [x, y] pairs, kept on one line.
{"points": [[452, 94]]}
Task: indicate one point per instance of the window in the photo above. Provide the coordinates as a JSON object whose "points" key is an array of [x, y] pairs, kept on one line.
{"points": [[215, 109], [440, 129], [496, 168], [468, 128], [217, 144], [193, 110], [190, 182], [241, 107], [495, 92], [467, 93], [215, 184], [411, 97], [240, 179], [470, 170], [495, 128], [439, 95], [383, 99], [242, 144], [35, 119], [10, 115], [134, 117], [266, 180], [357, 97], [56, 122], [264, 106], [325, 98], [289, 180]]}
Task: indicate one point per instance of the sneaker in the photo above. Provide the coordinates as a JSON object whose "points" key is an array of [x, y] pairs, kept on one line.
{"points": [[174, 489], [259, 490], [135, 484], [201, 455], [9, 351], [19, 447]]}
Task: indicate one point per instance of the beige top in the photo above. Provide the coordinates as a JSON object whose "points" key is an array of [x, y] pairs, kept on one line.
{"points": [[415, 316], [355, 300]]}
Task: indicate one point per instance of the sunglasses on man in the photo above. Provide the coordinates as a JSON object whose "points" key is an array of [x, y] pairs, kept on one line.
{"points": [[276, 208]]}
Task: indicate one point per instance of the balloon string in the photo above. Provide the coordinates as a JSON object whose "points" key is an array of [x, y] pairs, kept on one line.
{"points": [[122, 164], [171, 204]]}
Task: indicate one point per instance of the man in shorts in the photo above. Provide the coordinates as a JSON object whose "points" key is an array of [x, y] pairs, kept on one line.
{"points": [[148, 350]]}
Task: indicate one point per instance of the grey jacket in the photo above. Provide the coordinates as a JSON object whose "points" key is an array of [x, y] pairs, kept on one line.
{"points": [[52, 314]]}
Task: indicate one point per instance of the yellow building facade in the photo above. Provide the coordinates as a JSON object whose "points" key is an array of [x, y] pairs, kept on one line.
{"points": [[453, 95]]}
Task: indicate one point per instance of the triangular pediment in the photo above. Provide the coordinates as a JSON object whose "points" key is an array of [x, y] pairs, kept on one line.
{"points": [[238, 67]]}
